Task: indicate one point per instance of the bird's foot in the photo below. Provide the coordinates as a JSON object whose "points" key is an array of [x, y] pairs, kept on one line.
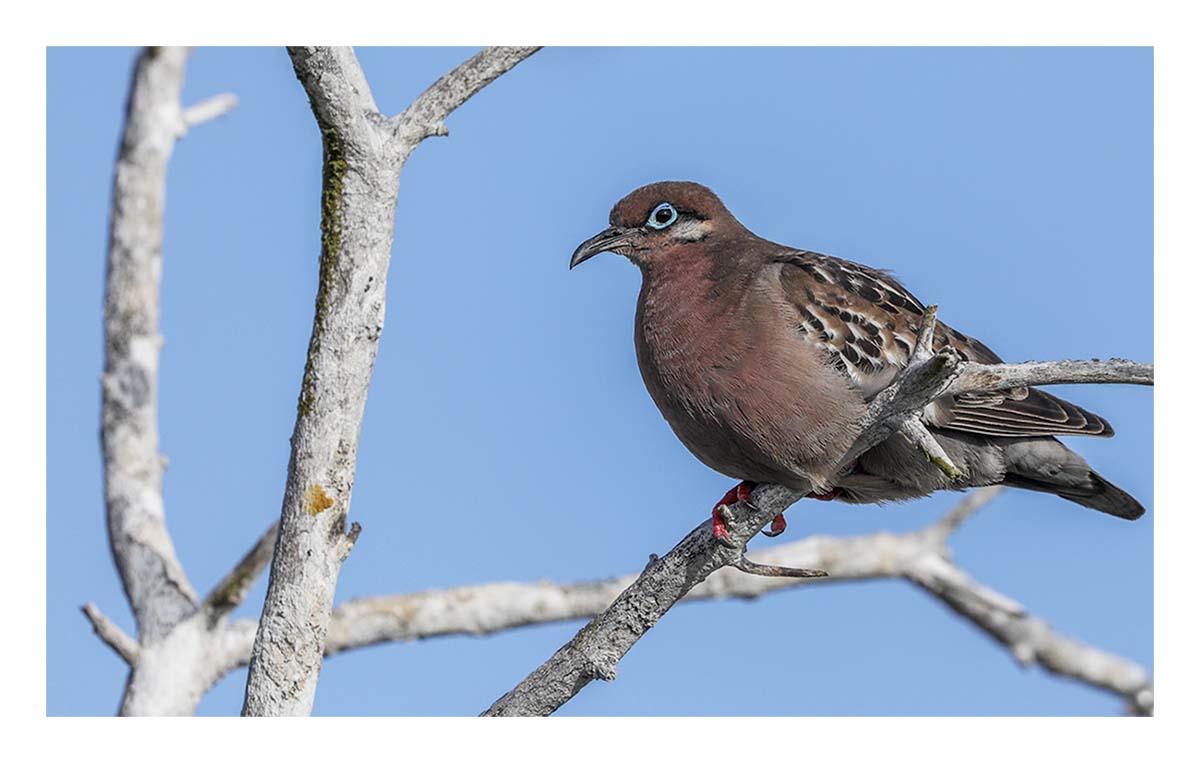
{"points": [[737, 494], [778, 525]]}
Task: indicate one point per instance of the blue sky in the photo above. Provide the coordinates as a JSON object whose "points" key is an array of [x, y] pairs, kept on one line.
{"points": [[508, 435]]}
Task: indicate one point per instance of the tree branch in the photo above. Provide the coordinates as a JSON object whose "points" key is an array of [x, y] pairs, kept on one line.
{"points": [[231, 591], [170, 667], [157, 588], [919, 557], [363, 157], [980, 377], [1029, 638], [209, 109], [426, 115], [203, 654], [110, 633], [595, 651]]}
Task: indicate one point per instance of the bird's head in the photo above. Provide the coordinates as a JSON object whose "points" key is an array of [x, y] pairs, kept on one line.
{"points": [[660, 220]]}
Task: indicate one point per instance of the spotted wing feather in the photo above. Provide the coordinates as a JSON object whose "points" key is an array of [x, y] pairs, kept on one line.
{"points": [[867, 323]]}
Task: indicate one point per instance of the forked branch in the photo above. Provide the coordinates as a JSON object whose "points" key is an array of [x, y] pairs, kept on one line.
{"points": [[364, 153]]}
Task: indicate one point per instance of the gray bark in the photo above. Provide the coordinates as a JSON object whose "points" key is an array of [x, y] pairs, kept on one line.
{"points": [[158, 591], [162, 677], [364, 153], [160, 594]]}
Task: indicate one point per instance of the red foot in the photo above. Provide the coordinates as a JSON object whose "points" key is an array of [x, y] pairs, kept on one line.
{"points": [[720, 532], [737, 494], [778, 525], [830, 496]]}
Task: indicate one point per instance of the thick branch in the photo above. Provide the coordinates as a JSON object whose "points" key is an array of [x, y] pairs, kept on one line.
{"points": [[169, 668], [362, 163], [158, 591], [338, 93], [595, 651]]}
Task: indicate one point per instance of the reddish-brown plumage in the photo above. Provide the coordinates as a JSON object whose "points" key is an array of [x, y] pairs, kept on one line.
{"points": [[762, 359]]}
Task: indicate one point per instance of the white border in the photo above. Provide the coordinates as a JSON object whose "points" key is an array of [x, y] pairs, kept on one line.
{"points": [[1163, 25]]}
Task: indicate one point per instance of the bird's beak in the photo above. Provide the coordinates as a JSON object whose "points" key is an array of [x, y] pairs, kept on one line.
{"points": [[619, 240]]}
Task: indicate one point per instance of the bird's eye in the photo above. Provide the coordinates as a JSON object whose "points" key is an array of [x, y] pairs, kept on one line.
{"points": [[662, 216]]}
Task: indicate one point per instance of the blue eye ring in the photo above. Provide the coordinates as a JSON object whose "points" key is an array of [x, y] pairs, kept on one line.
{"points": [[662, 216]]}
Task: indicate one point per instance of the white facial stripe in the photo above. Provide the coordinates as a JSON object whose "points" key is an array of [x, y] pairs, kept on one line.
{"points": [[691, 229]]}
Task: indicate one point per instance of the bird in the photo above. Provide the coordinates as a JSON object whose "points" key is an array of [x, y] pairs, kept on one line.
{"points": [[763, 359]]}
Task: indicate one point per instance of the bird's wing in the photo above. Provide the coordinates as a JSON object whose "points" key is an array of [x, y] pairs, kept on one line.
{"points": [[868, 324]]}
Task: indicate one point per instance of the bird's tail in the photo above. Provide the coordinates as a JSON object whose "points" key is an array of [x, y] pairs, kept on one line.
{"points": [[1048, 466]]}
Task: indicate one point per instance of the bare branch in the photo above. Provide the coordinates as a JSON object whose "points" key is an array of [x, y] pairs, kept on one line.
{"points": [[496, 607], [169, 667], [965, 509], [158, 590], [595, 651], [490, 608], [110, 633], [923, 440], [231, 591], [924, 349], [980, 377], [338, 92], [775, 570], [1029, 638], [363, 157], [426, 115], [209, 109]]}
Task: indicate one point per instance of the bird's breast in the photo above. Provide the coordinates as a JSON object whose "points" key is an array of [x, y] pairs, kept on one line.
{"points": [[737, 385]]}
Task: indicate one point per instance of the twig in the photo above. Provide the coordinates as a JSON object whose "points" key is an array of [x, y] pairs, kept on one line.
{"points": [[231, 591], [923, 440], [209, 109], [925, 332], [965, 508], [425, 117], [110, 633], [775, 571]]}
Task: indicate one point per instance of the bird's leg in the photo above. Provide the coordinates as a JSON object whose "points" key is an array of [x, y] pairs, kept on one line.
{"points": [[737, 494]]}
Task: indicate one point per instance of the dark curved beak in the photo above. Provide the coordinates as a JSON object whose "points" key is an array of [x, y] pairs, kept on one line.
{"points": [[613, 239]]}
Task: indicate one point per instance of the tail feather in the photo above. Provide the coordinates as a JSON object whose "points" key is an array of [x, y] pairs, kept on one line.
{"points": [[1101, 495], [1048, 466]]}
